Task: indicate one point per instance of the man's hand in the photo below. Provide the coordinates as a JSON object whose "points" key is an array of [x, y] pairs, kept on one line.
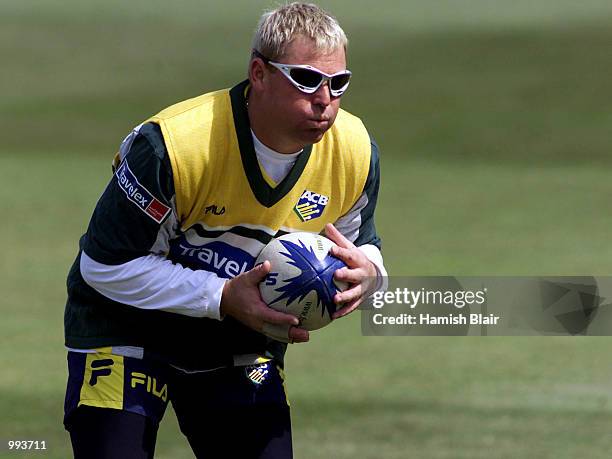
{"points": [[241, 300], [360, 272]]}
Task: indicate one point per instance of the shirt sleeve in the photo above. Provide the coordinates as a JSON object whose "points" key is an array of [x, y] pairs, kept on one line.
{"points": [[125, 247], [357, 225]]}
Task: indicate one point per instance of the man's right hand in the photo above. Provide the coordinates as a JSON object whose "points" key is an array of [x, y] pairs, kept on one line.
{"points": [[241, 300]]}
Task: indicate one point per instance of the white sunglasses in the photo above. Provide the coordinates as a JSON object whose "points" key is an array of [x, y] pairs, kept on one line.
{"points": [[308, 79]]}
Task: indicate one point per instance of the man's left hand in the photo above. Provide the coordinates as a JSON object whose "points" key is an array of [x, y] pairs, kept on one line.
{"points": [[360, 273]]}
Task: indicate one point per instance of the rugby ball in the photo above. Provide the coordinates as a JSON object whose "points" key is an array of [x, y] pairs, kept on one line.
{"points": [[301, 280]]}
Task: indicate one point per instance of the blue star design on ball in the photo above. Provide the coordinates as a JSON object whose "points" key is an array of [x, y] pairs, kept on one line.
{"points": [[314, 275]]}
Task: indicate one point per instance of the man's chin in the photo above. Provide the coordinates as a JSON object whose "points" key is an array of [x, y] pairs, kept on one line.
{"points": [[314, 135]]}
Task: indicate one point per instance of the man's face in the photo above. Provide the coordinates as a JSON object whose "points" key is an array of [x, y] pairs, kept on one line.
{"points": [[301, 119]]}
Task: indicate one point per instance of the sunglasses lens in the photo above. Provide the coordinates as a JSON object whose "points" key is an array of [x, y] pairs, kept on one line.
{"points": [[340, 81], [305, 77]]}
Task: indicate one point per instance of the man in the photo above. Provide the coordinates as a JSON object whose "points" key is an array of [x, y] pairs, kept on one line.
{"points": [[163, 300]]}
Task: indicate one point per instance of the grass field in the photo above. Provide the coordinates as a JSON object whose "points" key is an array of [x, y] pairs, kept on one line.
{"points": [[493, 121]]}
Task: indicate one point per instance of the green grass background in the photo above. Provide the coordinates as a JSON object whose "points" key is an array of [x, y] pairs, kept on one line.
{"points": [[493, 119]]}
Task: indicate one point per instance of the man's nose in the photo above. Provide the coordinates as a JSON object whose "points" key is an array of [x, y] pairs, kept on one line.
{"points": [[322, 96]]}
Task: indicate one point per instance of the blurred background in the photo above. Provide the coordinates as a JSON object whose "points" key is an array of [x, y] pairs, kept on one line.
{"points": [[493, 120]]}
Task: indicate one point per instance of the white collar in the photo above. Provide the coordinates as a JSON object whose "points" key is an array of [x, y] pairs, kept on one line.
{"points": [[272, 155]]}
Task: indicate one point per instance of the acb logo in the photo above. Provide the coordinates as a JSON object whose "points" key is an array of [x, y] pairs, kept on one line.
{"points": [[310, 205]]}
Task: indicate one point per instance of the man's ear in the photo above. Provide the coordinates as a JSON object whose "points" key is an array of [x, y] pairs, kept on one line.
{"points": [[257, 73]]}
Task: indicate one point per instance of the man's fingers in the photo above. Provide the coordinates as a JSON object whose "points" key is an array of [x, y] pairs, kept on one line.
{"points": [[285, 333], [259, 272], [349, 295], [348, 256], [351, 276], [276, 317], [347, 309], [299, 335], [277, 332], [337, 237]]}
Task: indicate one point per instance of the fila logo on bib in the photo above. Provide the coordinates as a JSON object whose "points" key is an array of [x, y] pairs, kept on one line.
{"points": [[310, 205]]}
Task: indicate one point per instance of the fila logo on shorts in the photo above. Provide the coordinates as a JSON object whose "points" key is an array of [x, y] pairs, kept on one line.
{"points": [[104, 380]]}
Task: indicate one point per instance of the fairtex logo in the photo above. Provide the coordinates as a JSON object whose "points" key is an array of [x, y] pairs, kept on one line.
{"points": [[139, 195], [310, 205]]}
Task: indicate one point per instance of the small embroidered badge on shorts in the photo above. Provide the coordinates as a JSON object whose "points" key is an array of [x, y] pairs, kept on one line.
{"points": [[258, 373]]}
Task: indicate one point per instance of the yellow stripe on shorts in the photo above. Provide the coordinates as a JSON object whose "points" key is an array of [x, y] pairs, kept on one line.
{"points": [[103, 381], [282, 376]]}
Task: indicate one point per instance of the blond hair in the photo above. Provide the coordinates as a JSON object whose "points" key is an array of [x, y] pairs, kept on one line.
{"points": [[278, 28]]}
